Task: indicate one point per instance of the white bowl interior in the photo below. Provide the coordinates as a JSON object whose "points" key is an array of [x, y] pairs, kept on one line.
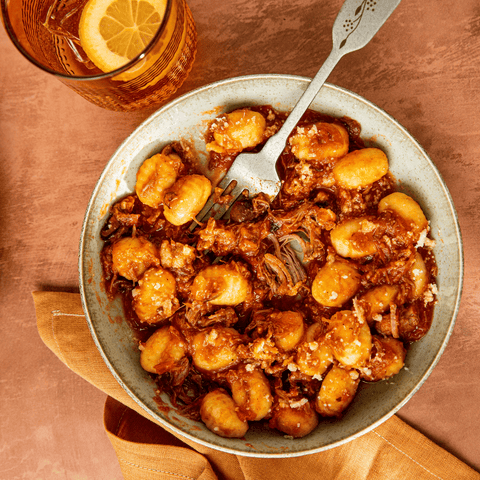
{"points": [[187, 118]]}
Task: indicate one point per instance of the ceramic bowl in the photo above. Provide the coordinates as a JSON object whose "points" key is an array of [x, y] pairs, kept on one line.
{"points": [[187, 117]]}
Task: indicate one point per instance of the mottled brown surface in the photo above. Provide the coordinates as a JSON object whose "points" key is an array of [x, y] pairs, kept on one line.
{"points": [[422, 68]]}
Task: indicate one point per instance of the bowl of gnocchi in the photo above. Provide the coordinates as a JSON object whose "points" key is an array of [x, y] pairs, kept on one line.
{"points": [[287, 325]]}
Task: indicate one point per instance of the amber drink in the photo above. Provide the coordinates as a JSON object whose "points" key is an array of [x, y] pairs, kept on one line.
{"points": [[122, 55]]}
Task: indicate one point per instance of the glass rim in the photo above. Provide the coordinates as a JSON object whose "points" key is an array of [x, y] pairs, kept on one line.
{"points": [[10, 31]]}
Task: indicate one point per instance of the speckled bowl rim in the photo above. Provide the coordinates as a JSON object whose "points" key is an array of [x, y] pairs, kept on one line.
{"points": [[266, 444]]}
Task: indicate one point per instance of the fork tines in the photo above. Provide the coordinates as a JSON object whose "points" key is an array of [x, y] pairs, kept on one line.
{"points": [[215, 209]]}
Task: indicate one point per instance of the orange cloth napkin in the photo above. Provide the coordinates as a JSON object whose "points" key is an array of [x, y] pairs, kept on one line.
{"points": [[146, 450]]}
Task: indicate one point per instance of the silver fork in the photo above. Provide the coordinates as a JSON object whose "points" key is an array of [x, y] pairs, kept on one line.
{"points": [[356, 24]]}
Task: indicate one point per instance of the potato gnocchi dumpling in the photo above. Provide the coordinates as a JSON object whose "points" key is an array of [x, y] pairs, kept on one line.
{"points": [[131, 256], [314, 357], [319, 141], [184, 200], [360, 168], [155, 176], [337, 391], [335, 284], [295, 418], [251, 392], [220, 285], [349, 338], [419, 276], [154, 298], [377, 300], [353, 238], [237, 131], [214, 349], [406, 208], [387, 359], [288, 329], [163, 350], [279, 312], [219, 413]]}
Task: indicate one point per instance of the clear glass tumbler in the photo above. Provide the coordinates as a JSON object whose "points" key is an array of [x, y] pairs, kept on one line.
{"points": [[46, 33]]}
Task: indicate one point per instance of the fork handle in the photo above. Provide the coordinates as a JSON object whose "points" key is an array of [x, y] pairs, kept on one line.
{"points": [[352, 30], [275, 144]]}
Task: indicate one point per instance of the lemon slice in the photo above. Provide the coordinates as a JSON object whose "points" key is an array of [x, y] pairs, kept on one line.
{"points": [[113, 32]]}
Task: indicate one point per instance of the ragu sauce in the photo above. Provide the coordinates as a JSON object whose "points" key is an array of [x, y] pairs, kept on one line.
{"points": [[292, 259]]}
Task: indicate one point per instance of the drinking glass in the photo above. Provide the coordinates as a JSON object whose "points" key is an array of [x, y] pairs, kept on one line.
{"points": [[46, 33]]}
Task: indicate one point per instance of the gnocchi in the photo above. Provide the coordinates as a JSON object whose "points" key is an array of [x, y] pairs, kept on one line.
{"points": [[319, 141], [251, 392], [360, 168], [288, 329], [314, 357], [295, 418], [214, 349], [154, 298], [220, 285], [131, 256], [387, 359], [349, 338], [335, 284], [237, 130], [278, 313], [378, 299], [419, 276], [163, 350], [353, 238], [337, 391], [155, 176], [218, 412], [406, 208], [186, 198]]}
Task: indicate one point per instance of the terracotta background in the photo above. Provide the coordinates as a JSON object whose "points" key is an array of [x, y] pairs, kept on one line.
{"points": [[422, 68]]}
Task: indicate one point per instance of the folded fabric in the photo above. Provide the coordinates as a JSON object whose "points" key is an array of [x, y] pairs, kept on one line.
{"points": [[147, 450]]}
